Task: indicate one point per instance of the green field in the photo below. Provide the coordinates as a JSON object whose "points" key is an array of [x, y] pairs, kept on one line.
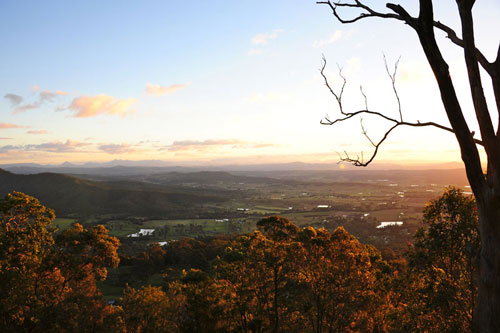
{"points": [[63, 223]]}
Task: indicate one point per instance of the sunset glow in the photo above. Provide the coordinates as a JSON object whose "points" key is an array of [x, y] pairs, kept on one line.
{"points": [[215, 83]]}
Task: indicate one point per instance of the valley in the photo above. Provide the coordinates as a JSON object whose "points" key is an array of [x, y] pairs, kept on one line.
{"points": [[182, 203]]}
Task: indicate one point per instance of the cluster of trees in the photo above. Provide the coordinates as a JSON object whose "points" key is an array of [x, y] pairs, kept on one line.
{"points": [[48, 280], [279, 278]]}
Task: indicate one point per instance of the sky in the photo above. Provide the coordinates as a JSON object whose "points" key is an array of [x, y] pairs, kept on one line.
{"points": [[218, 82]]}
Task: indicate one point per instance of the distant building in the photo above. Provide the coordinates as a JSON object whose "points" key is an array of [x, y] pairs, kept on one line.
{"points": [[387, 224], [143, 232], [323, 206]]}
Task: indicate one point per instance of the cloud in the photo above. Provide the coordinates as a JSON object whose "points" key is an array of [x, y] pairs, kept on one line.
{"points": [[117, 148], [157, 90], [90, 106], [27, 107], [14, 99], [8, 125], [37, 132], [52, 147], [262, 145], [5, 149], [5, 138], [45, 96], [57, 146], [199, 145], [263, 38], [337, 35], [48, 96], [213, 143]]}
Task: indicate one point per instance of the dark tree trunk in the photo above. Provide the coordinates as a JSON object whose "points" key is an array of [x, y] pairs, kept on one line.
{"points": [[487, 315], [275, 301]]}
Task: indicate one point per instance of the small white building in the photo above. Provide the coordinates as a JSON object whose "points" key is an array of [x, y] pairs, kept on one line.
{"points": [[143, 232], [387, 224]]}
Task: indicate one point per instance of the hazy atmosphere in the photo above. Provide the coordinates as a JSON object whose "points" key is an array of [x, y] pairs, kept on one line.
{"points": [[224, 82]]}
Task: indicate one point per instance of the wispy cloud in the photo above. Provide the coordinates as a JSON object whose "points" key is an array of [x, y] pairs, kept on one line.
{"points": [[45, 96], [14, 99], [51, 147], [117, 148], [263, 38], [37, 132], [90, 106], [48, 96], [214, 144], [9, 125], [337, 35], [8, 148], [27, 107], [157, 90], [57, 146]]}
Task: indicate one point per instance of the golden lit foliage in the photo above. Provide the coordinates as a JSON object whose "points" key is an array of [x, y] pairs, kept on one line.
{"points": [[310, 280], [442, 271], [49, 282], [150, 309]]}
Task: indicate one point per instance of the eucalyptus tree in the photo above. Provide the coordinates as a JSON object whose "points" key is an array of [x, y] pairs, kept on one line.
{"points": [[485, 184]]}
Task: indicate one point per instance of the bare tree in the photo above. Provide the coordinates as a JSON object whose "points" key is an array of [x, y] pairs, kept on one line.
{"points": [[485, 185]]}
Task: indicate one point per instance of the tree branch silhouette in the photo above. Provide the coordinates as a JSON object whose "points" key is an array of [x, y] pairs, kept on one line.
{"points": [[350, 114]]}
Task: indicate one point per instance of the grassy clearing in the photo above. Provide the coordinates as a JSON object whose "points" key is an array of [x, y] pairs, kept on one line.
{"points": [[63, 223], [122, 228], [388, 215], [207, 224]]}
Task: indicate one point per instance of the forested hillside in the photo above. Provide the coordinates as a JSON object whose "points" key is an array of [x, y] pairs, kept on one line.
{"points": [[71, 195]]}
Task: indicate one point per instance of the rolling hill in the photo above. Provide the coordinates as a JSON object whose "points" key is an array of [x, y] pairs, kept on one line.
{"points": [[70, 195]]}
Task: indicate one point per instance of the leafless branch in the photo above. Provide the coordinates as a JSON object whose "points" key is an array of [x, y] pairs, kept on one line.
{"points": [[346, 115], [365, 133], [364, 96], [392, 76], [402, 15], [338, 96], [361, 162], [367, 11]]}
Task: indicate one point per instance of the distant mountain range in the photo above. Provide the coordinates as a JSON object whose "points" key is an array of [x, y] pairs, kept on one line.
{"points": [[127, 168]]}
